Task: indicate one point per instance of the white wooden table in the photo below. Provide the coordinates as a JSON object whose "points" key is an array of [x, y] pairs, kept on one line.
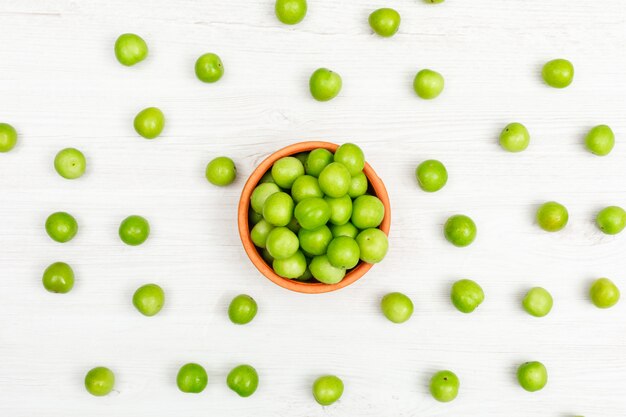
{"points": [[61, 86]]}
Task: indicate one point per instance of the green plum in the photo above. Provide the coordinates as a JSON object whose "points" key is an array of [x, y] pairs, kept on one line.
{"points": [[149, 122], [242, 309], [305, 186], [428, 84], [460, 230], [611, 220], [278, 209], [290, 12], [58, 278], [558, 73], [317, 160], [259, 233], [347, 229], [343, 252], [351, 156], [221, 171], [134, 230], [254, 217], [286, 170], [61, 227], [260, 194], [302, 157], [99, 381], [269, 259], [373, 245], [292, 267], [267, 177], [312, 213], [537, 302], [70, 163], [282, 243], [397, 307], [385, 22], [8, 137], [130, 49], [604, 293], [243, 379], [325, 84], [149, 299], [532, 376], [358, 185], [514, 137], [316, 241], [192, 378], [444, 386], [327, 389], [324, 271], [209, 68], [466, 295], [367, 212], [335, 180], [600, 140], [431, 175], [340, 209], [552, 216]]}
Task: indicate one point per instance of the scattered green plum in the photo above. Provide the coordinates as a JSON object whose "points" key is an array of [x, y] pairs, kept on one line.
{"points": [[444, 386], [385, 22], [604, 293], [428, 84], [431, 175], [149, 299], [70, 163], [209, 68], [514, 137], [243, 379], [192, 378], [600, 140], [130, 49], [558, 73], [61, 227], [466, 295], [611, 220], [149, 122], [99, 381], [327, 389], [537, 302], [460, 230], [242, 309], [221, 171], [8, 137], [325, 84], [58, 278], [532, 376], [552, 216], [290, 12], [397, 307], [134, 230]]}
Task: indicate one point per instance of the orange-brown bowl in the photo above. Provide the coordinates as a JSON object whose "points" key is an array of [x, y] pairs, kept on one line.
{"points": [[376, 186]]}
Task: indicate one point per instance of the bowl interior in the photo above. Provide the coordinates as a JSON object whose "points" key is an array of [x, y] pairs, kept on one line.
{"points": [[376, 187]]}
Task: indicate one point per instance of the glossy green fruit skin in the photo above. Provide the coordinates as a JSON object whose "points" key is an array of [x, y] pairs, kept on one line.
{"points": [[367, 212], [428, 84], [460, 230], [8, 137], [537, 302], [431, 175], [260, 194], [130, 49], [324, 271], [347, 229], [466, 295], [316, 241], [290, 12], [305, 186], [278, 209], [444, 386], [312, 213], [552, 216], [209, 68], [149, 122], [243, 379], [327, 389], [340, 209], [70, 163], [192, 378], [514, 137], [286, 170], [343, 252], [99, 381], [600, 140], [58, 278], [317, 160], [385, 22], [373, 245], [302, 157], [149, 299], [282, 243], [358, 185], [267, 178], [604, 293], [558, 73], [292, 267], [259, 233], [611, 220], [532, 376], [61, 227], [335, 180], [221, 171], [242, 309], [325, 84], [397, 307], [352, 157], [134, 230]]}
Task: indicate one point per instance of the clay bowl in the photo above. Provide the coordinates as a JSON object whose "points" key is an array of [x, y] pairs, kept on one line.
{"points": [[376, 188]]}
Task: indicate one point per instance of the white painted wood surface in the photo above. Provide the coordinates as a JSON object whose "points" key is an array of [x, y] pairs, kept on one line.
{"points": [[60, 86]]}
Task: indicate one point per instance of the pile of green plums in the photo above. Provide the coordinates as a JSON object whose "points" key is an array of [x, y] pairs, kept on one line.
{"points": [[312, 215]]}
